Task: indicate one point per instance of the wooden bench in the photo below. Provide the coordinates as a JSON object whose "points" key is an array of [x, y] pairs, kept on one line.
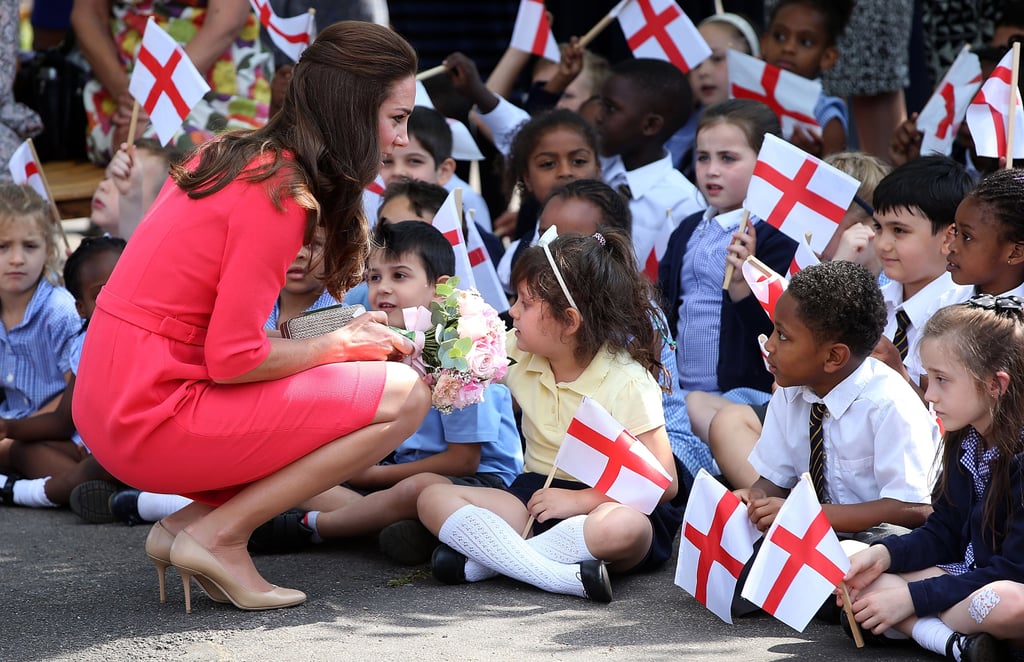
{"points": [[72, 184]]}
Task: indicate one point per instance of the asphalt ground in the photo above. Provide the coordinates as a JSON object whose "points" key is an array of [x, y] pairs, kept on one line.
{"points": [[81, 592]]}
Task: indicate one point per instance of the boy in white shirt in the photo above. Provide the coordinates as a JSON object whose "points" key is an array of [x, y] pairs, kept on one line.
{"points": [[873, 449], [915, 205]]}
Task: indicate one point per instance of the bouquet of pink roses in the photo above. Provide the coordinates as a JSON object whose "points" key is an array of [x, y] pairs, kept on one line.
{"points": [[460, 346]]}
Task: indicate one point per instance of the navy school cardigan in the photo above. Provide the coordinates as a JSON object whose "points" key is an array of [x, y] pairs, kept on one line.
{"points": [[739, 358]]}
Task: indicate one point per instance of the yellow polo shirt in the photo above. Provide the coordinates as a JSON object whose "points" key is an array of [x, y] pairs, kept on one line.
{"points": [[621, 385]]}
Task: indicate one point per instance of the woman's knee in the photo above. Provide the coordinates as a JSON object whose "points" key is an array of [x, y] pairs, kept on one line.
{"points": [[405, 395]]}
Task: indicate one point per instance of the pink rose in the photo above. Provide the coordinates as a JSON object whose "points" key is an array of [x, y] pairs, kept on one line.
{"points": [[473, 326], [481, 361], [470, 394]]}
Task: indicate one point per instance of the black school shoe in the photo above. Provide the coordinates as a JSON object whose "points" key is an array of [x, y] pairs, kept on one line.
{"points": [[124, 506], [978, 647], [282, 534], [596, 582], [91, 501], [447, 565], [407, 542]]}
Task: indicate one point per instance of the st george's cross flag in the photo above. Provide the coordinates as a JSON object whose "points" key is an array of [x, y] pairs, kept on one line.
{"points": [[532, 31], [25, 170], [716, 542], [599, 451], [766, 284], [798, 193], [988, 116], [373, 195], [941, 116], [803, 257], [484, 272], [653, 260], [448, 220], [791, 97], [659, 29], [165, 81], [292, 35], [800, 562]]}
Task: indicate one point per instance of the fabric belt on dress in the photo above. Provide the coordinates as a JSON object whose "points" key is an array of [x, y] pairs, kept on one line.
{"points": [[168, 327]]}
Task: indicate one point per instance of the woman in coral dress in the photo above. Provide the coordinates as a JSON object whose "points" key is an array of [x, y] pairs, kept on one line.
{"points": [[180, 390]]}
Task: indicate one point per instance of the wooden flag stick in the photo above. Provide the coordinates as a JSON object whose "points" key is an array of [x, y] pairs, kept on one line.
{"points": [[603, 23], [458, 206], [1014, 75], [759, 265], [719, 9], [858, 638], [547, 484], [431, 72], [134, 124], [728, 267], [807, 237], [49, 195]]}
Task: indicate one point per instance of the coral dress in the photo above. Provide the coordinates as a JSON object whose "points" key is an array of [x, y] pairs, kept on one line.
{"points": [[185, 306]]}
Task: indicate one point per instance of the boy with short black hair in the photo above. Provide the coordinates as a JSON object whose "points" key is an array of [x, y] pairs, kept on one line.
{"points": [[801, 38], [407, 199], [477, 445], [874, 439], [644, 102], [915, 205]]}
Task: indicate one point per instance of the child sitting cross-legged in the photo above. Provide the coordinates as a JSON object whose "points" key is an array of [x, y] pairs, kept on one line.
{"points": [[851, 421], [475, 446]]}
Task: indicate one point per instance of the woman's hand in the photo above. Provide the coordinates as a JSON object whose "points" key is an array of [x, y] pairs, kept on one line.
{"points": [[368, 338]]}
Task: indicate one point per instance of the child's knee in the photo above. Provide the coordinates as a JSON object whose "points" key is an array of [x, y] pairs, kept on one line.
{"points": [[614, 529], [998, 602]]}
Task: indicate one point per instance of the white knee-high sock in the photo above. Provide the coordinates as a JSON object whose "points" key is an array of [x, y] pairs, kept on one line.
{"points": [[931, 634], [563, 542], [30, 493], [481, 535], [154, 507]]}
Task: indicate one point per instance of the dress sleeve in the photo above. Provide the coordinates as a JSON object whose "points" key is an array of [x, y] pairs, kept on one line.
{"points": [[261, 242]]}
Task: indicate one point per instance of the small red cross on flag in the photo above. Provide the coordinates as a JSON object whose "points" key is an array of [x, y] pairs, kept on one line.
{"points": [[532, 31], [25, 170], [798, 193], [165, 81], [292, 35], [765, 283], [988, 116], [790, 96], [600, 452], [803, 258], [448, 220], [717, 541], [800, 562], [945, 110], [659, 29]]}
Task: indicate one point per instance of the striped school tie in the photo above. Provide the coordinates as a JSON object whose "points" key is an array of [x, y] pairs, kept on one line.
{"points": [[900, 337], [817, 465]]}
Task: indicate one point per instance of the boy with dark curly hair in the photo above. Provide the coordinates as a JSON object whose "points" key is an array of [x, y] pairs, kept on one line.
{"points": [[851, 421]]}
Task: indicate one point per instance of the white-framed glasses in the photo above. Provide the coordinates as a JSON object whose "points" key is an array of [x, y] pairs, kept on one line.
{"points": [[550, 235]]}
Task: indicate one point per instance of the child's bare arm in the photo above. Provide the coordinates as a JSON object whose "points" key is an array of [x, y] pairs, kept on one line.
{"points": [[906, 142], [568, 69], [503, 78], [862, 516], [833, 138], [465, 79], [456, 460], [46, 426]]}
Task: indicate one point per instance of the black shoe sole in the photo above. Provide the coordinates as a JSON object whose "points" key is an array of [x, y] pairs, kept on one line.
{"points": [[91, 501]]}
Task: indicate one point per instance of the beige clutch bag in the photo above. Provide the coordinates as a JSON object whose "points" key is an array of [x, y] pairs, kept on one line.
{"points": [[319, 322]]}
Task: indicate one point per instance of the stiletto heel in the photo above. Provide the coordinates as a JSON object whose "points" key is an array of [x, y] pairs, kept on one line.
{"points": [[186, 581], [158, 549], [192, 559]]}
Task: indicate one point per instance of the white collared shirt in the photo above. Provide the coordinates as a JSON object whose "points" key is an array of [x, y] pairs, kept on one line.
{"points": [[880, 440], [661, 198], [937, 294]]}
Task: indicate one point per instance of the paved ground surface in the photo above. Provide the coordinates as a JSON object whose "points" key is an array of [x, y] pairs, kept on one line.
{"points": [[71, 591]]}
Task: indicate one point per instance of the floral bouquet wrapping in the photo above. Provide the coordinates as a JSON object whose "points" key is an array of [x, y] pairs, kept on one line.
{"points": [[460, 346]]}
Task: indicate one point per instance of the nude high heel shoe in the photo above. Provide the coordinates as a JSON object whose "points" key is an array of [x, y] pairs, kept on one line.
{"points": [[158, 549], [193, 560]]}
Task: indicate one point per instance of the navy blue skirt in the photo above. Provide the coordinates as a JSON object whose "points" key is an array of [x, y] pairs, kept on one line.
{"points": [[665, 520]]}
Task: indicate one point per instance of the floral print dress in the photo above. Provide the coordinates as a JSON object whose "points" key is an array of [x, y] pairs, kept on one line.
{"points": [[239, 96]]}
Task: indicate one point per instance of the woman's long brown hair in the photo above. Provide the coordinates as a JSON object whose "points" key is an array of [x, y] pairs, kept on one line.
{"points": [[328, 123]]}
